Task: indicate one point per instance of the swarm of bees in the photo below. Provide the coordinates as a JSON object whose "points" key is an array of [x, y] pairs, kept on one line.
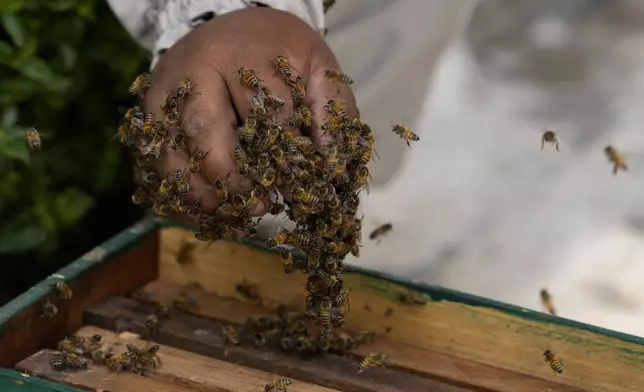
{"points": [[75, 352]]}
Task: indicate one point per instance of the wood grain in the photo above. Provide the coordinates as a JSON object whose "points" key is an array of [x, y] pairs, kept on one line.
{"points": [[27, 332], [479, 335], [193, 372], [203, 336]]}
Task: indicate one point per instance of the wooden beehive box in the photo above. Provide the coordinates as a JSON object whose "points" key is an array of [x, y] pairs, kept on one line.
{"points": [[455, 342]]}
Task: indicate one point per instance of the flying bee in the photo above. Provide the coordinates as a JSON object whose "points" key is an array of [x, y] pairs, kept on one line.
{"points": [[184, 88], [57, 361], [33, 139], [64, 291], [248, 290], [75, 361], [256, 195], [332, 125], [287, 262], [147, 124], [249, 130], [338, 77], [546, 300], [362, 178], [152, 324], [268, 178], [299, 90], [305, 196], [241, 160], [196, 160], [283, 66], [405, 134], [616, 158], [371, 360], [181, 182], [140, 84], [333, 107], [257, 105], [307, 118], [380, 231], [248, 77], [48, 310], [554, 363], [549, 136], [279, 238], [178, 142], [279, 385], [271, 99]]}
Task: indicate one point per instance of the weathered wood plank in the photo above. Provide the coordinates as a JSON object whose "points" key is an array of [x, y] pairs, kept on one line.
{"points": [[483, 335], [203, 336], [25, 332], [436, 365], [194, 372]]}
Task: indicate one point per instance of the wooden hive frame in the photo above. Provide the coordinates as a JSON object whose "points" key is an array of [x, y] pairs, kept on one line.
{"points": [[455, 342]]}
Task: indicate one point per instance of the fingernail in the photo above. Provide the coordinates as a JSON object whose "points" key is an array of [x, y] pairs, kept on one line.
{"points": [[259, 209]]}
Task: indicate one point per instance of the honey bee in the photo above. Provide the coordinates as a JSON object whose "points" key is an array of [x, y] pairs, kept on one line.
{"points": [[48, 310], [238, 202], [278, 156], [99, 355], [57, 361], [196, 160], [282, 64], [362, 178], [550, 137], [230, 334], [268, 178], [332, 125], [241, 160], [380, 231], [184, 88], [352, 142], [259, 339], [152, 324], [405, 134], [144, 358], [256, 195], [147, 124], [33, 139], [165, 188], [279, 238], [221, 189], [371, 360], [366, 155], [161, 209], [272, 135], [553, 362], [250, 127], [121, 361], [140, 195], [336, 76], [140, 84], [300, 237], [287, 262], [616, 158], [64, 291], [170, 106], [296, 121], [546, 300], [340, 167], [182, 182], [257, 106], [276, 209], [75, 361], [273, 100], [299, 90], [248, 77], [305, 196], [307, 118], [333, 107], [279, 385], [248, 290], [178, 142], [325, 311]]}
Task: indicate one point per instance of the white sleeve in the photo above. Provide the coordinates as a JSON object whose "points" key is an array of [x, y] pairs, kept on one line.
{"points": [[158, 24]]}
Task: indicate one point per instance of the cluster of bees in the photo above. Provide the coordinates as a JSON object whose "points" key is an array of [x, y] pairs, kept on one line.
{"points": [[65, 293], [75, 352]]}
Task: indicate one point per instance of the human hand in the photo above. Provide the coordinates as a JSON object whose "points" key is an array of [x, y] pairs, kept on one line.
{"points": [[218, 103]]}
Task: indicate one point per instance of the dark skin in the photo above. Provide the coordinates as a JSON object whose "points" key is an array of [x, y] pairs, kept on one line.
{"points": [[210, 56]]}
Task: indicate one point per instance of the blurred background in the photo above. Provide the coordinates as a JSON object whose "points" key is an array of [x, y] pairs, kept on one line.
{"points": [[503, 219]]}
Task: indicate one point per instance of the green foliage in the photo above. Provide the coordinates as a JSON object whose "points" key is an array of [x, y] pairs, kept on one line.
{"points": [[65, 66]]}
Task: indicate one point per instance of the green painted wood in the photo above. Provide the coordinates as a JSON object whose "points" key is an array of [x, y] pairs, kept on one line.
{"points": [[120, 243], [13, 381]]}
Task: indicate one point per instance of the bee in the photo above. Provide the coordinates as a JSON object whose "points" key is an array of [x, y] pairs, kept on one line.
{"points": [[250, 127], [184, 88], [147, 124], [272, 135], [546, 300], [75, 361], [259, 339], [152, 324], [268, 178], [238, 202], [313, 260], [552, 360], [64, 291], [371, 360], [248, 290], [287, 262], [307, 118], [340, 167], [380, 231], [221, 189], [333, 107], [99, 355], [276, 209], [120, 361], [248, 77], [178, 142], [296, 121], [196, 160], [182, 182], [279, 238], [362, 178], [257, 106], [165, 188], [278, 385], [305, 196], [230, 334], [144, 358], [336, 76], [33, 139], [140, 84], [366, 155], [325, 311], [299, 90], [241, 160], [278, 156], [300, 237], [169, 106], [256, 195], [282, 64], [616, 158], [332, 125], [405, 134], [161, 209], [352, 142], [273, 100], [57, 361], [550, 137]]}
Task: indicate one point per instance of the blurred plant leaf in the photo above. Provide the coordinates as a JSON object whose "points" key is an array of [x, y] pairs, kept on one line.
{"points": [[72, 205], [11, 5], [13, 27], [21, 235], [13, 147], [10, 116], [37, 69], [68, 55]]}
